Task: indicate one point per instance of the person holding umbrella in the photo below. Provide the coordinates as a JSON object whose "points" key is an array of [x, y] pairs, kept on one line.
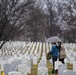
{"points": [[54, 51]]}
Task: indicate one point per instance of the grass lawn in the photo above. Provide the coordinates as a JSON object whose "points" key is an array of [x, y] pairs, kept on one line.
{"points": [[34, 70], [49, 66]]}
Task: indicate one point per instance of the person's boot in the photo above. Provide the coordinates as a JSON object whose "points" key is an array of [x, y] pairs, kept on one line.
{"points": [[53, 71], [56, 71]]}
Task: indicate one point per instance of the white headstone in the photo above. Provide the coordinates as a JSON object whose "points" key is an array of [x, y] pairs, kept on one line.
{"points": [[61, 68], [44, 59], [57, 63], [42, 64], [69, 72], [0, 52], [71, 60], [29, 66], [23, 69], [74, 66], [9, 66], [31, 57], [66, 60], [14, 73], [42, 71], [75, 58], [34, 60]]}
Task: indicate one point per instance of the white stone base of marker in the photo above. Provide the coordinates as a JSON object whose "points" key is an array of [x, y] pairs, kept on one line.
{"points": [[42, 71], [14, 73]]}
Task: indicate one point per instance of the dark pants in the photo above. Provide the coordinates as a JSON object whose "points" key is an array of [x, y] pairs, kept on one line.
{"points": [[62, 60], [54, 59]]}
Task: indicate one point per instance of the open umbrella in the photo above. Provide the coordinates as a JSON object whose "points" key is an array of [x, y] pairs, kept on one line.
{"points": [[53, 39]]}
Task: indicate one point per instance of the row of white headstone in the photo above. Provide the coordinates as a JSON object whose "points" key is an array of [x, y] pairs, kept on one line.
{"points": [[15, 63], [33, 57], [70, 58], [35, 50], [62, 70], [42, 65], [70, 53]]}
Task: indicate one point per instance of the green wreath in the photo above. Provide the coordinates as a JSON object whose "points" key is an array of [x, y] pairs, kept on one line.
{"points": [[49, 56]]}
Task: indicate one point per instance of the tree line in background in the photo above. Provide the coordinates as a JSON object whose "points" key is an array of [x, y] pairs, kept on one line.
{"points": [[37, 20]]}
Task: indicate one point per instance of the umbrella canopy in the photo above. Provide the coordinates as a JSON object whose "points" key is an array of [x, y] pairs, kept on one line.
{"points": [[53, 39]]}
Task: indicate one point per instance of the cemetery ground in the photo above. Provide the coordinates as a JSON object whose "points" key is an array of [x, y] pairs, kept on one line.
{"points": [[49, 66], [34, 55]]}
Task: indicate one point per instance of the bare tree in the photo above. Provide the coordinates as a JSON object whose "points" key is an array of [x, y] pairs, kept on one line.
{"points": [[50, 21], [68, 18], [13, 17], [33, 28], [43, 23]]}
